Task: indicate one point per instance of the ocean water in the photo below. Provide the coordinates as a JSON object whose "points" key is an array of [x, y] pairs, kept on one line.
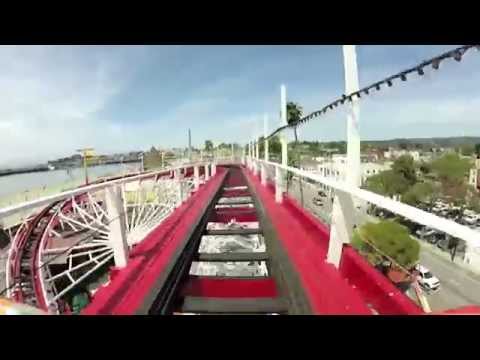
{"points": [[24, 183]]}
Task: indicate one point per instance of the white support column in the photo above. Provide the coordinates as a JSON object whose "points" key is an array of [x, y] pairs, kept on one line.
{"points": [[117, 235], [353, 132], [341, 228], [283, 121], [265, 134], [196, 177], [214, 168], [278, 185]]}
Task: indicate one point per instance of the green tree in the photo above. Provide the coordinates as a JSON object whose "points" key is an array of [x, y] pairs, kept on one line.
{"points": [[424, 167], [451, 171], [467, 149], [391, 239], [420, 192], [477, 149], [387, 183], [405, 166], [274, 147], [294, 114], [450, 167], [208, 145]]}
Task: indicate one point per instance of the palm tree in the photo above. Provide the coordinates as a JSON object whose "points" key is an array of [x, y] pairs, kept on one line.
{"points": [[294, 114]]}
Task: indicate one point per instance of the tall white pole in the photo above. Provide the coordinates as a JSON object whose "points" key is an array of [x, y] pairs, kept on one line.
{"points": [[353, 131], [283, 121], [265, 134]]}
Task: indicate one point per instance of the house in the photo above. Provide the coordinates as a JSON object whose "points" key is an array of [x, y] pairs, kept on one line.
{"points": [[473, 178], [395, 154]]}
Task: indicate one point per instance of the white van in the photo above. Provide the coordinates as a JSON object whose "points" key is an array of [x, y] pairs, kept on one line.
{"points": [[426, 279]]}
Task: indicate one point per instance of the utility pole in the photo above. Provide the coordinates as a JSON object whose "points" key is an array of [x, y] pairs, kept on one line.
{"points": [[189, 145], [283, 121], [265, 134]]}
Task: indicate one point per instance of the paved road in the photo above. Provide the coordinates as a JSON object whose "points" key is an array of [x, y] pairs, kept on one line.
{"points": [[458, 287], [309, 192]]}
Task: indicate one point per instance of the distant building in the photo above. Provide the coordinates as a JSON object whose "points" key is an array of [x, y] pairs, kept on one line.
{"points": [[473, 178], [335, 166], [392, 154]]}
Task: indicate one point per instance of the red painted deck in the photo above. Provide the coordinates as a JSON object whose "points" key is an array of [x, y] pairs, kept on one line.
{"points": [[130, 286], [330, 291], [229, 288], [352, 289]]}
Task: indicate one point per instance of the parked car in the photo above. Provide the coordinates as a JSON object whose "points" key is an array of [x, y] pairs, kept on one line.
{"points": [[322, 194], [317, 201], [426, 279], [425, 232], [470, 219]]}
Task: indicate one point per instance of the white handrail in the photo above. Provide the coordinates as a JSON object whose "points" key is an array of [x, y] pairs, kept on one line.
{"points": [[66, 194], [471, 237]]}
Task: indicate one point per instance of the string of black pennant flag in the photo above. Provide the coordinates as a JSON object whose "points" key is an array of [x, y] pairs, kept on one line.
{"points": [[455, 54]]}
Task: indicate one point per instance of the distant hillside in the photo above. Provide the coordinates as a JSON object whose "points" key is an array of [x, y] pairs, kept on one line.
{"points": [[440, 142]]}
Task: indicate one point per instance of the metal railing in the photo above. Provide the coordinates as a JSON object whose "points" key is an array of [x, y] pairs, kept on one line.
{"points": [[345, 208], [449, 227]]}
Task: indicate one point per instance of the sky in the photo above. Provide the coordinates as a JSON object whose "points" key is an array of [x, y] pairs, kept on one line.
{"points": [[57, 99]]}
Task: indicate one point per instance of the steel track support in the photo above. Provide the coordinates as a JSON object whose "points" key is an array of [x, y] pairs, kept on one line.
{"points": [[341, 228]]}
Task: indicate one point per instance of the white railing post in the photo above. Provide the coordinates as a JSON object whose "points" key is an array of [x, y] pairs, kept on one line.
{"points": [[341, 227], [179, 182], [196, 177], [263, 174], [254, 159], [117, 235], [253, 156], [214, 168], [207, 174], [283, 121], [278, 185]]}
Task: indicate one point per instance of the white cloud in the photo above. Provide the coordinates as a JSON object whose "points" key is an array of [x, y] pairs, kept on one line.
{"points": [[50, 96]]}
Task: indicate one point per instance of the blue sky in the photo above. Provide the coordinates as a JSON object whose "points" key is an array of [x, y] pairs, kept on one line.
{"points": [[55, 99]]}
